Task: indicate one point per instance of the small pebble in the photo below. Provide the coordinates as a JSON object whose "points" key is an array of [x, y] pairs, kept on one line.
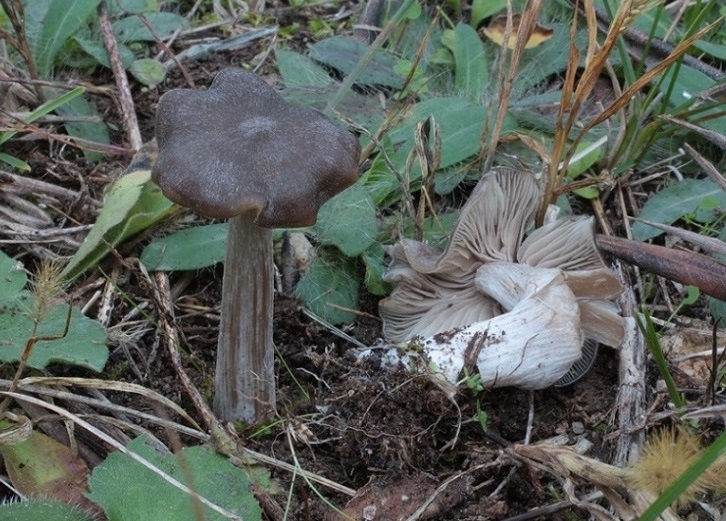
{"points": [[578, 428]]}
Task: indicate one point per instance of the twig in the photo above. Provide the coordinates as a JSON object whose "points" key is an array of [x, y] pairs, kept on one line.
{"points": [[128, 111], [166, 311], [707, 166], [631, 393]]}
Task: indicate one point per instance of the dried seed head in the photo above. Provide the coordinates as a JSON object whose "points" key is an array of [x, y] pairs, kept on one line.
{"points": [[46, 286], [666, 455]]}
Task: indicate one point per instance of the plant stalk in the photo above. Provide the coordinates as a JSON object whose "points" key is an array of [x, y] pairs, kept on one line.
{"points": [[245, 378]]}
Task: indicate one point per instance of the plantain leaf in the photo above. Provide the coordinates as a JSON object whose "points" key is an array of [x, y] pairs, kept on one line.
{"points": [[61, 20], [344, 53], [471, 68], [699, 198], [190, 249], [133, 203]]}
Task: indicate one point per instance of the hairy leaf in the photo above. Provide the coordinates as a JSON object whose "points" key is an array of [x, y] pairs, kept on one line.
{"points": [[129, 491]]}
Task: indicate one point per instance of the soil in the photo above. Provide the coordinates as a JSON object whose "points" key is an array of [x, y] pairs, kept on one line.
{"points": [[390, 435]]}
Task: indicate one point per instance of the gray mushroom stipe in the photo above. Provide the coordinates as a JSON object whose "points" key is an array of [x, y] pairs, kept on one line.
{"points": [[239, 147]]}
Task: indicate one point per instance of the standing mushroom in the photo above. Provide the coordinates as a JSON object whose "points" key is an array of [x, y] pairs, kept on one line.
{"points": [[238, 151]]}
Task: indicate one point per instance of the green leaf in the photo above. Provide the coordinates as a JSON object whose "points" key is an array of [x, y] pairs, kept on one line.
{"points": [[128, 491], [687, 85], [330, 288], [61, 20], [45, 509], [716, 50], [471, 69], [190, 249], [348, 221], [344, 53], [676, 202], [83, 345], [297, 70], [133, 6], [46, 108], [14, 162], [717, 308], [481, 9], [374, 260], [95, 49], [133, 203], [90, 131], [378, 180], [148, 71], [132, 29]]}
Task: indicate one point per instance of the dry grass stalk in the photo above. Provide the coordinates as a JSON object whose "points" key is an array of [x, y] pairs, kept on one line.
{"points": [[527, 26], [573, 96]]}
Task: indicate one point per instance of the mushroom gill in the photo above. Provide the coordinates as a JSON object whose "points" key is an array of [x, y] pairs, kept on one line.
{"points": [[526, 298]]}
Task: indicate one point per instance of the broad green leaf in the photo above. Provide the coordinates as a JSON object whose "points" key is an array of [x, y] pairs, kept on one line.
{"points": [[716, 50], [61, 20], [132, 204], [45, 509], [133, 6], [677, 201], [374, 260], [90, 131], [190, 249], [580, 166], [471, 68], [687, 85], [481, 9], [297, 70], [344, 53], [378, 180], [96, 49], [148, 71], [132, 29], [12, 277], [84, 345], [348, 221], [330, 288], [129, 491]]}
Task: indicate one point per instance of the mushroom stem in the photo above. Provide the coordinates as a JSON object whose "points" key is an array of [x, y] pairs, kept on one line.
{"points": [[245, 378]]}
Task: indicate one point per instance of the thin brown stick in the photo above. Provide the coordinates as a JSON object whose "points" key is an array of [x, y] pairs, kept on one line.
{"points": [[128, 111], [162, 293], [707, 166]]}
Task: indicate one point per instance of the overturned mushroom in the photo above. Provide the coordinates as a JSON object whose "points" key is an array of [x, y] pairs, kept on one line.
{"points": [[239, 151], [516, 306]]}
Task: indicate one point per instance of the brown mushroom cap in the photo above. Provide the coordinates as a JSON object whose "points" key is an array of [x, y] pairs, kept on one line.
{"points": [[240, 147]]}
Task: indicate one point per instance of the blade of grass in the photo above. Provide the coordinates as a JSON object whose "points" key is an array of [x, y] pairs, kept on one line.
{"points": [[45, 109], [651, 339]]}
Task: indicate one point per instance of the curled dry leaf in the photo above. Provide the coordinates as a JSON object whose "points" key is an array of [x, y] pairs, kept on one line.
{"points": [[515, 304], [497, 28]]}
